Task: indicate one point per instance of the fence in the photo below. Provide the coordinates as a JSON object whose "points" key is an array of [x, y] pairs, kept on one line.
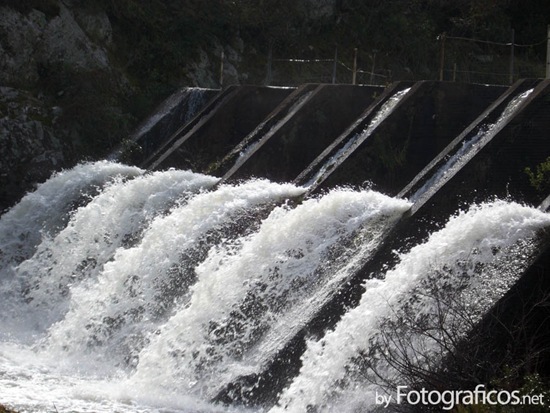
{"points": [[487, 61], [460, 59], [324, 71]]}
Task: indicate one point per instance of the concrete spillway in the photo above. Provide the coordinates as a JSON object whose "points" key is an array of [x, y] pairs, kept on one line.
{"points": [[441, 145], [305, 134], [514, 130], [264, 294], [389, 153], [218, 128], [296, 132]]}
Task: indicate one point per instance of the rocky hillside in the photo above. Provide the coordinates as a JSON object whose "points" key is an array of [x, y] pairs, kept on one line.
{"points": [[59, 90], [77, 76]]}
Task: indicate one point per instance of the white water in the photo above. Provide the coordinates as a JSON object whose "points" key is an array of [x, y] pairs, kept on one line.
{"points": [[164, 292], [113, 219], [134, 293], [44, 212], [254, 286], [109, 278], [332, 379]]}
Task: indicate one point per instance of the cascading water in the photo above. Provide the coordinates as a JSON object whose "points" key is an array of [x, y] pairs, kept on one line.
{"points": [[113, 219], [257, 287], [432, 290], [135, 292], [44, 212], [165, 290], [109, 280]]}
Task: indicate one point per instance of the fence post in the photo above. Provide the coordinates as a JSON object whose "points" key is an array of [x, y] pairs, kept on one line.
{"points": [[221, 69], [548, 54], [354, 73], [512, 57], [374, 51], [442, 38], [442, 55], [334, 66]]}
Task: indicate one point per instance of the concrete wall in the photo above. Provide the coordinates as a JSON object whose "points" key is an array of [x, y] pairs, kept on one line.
{"points": [[295, 141], [222, 127], [282, 114], [153, 133], [495, 168], [430, 116]]}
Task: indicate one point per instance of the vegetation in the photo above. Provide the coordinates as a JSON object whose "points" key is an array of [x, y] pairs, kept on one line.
{"points": [[540, 178], [505, 349], [157, 45]]}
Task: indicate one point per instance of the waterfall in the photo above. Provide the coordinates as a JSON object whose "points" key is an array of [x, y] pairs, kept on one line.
{"points": [[136, 291], [125, 290], [113, 219], [257, 287], [456, 272], [44, 212]]}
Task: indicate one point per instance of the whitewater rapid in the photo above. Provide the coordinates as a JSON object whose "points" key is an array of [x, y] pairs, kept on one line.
{"points": [[123, 290], [429, 281]]}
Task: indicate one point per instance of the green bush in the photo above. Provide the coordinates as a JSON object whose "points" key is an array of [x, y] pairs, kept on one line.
{"points": [[540, 178]]}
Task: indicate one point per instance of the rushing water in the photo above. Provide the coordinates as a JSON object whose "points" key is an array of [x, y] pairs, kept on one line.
{"points": [[153, 291], [344, 370]]}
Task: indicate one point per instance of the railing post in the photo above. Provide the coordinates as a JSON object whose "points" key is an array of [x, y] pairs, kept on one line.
{"points": [[221, 69], [371, 81], [512, 56], [269, 63], [354, 73], [454, 72], [334, 66], [442, 38]]}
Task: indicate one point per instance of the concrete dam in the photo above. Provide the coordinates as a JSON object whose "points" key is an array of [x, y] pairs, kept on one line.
{"points": [[295, 249], [442, 145]]}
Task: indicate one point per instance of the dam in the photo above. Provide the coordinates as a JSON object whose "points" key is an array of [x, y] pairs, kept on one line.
{"points": [[285, 250]]}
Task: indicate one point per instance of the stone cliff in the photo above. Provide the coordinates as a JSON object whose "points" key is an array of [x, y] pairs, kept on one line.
{"points": [[48, 51]]}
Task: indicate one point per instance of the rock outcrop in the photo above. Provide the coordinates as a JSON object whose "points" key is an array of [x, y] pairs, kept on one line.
{"points": [[48, 52], [29, 145]]}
